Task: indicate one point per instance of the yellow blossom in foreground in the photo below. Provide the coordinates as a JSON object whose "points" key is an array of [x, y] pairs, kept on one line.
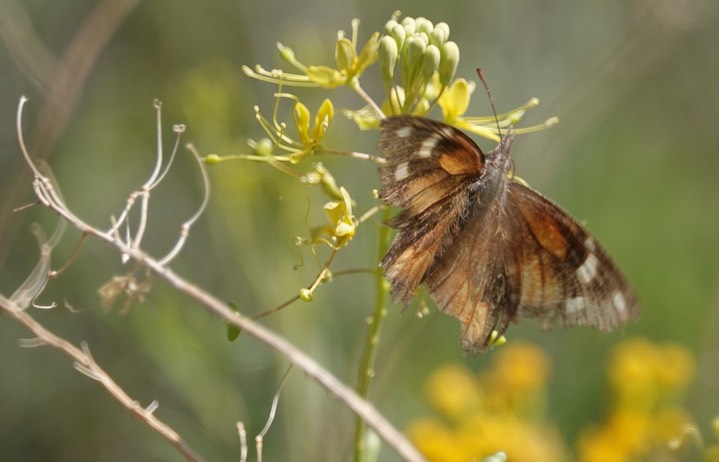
{"points": [[487, 414], [644, 421], [518, 377], [643, 374], [453, 391], [501, 409]]}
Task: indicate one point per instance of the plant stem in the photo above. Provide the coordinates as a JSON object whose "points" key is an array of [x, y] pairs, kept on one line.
{"points": [[366, 369]]}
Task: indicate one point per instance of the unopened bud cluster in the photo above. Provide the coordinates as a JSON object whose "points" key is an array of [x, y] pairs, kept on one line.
{"points": [[414, 52]]}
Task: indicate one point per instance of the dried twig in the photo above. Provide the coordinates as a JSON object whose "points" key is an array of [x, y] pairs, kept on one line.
{"points": [[85, 363]]}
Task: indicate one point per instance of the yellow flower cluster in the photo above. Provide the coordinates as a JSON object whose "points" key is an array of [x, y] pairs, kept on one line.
{"points": [[645, 421], [503, 409], [500, 410]]}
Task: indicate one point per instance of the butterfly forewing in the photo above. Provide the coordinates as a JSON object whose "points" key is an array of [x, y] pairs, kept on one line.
{"points": [[428, 173], [488, 249]]}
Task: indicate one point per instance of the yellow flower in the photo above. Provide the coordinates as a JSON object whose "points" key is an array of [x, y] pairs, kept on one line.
{"points": [[599, 445], [643, 374], [630, 430], [311, 139], [455, 100], [671, 424], [517, 378], [645, 420], [435, 441], [677, 368], [481, 411], [522, 367], [342, 223], [453, 391]]}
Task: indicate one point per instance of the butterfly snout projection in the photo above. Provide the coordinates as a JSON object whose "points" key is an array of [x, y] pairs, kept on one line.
{"points": [[489, 249]]}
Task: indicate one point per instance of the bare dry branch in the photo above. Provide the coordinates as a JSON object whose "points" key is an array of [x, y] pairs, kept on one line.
{"points": [[85, 363]]}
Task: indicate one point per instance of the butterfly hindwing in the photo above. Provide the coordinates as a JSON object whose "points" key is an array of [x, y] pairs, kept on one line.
{"points": [[565, 274]]}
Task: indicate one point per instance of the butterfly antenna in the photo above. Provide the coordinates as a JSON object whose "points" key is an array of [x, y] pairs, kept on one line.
{"points": [[480, 73]]}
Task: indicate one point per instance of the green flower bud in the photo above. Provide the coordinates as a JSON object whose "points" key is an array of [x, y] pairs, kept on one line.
{"points": [[286, 53], [212, 159], [387, 57], [409, 26], [264, 147], [412, 55], [424, 37], [448, 63], [441, 28], [430, 62], [396, 99], [414, 51], [399, 34], [389, 25], [424, 25], [515, 117], [305, 295], [438, 37]]}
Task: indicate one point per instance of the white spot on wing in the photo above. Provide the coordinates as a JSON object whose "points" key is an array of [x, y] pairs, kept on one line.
{"points": [[588, 270], [619, 303], [428, 145], [574, 305], [401, 172], [589, 244], [446, 131], [403, 132]]}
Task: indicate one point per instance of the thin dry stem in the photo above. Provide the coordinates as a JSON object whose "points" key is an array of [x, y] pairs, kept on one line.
{"points": [[243, 441], [86, 364]]}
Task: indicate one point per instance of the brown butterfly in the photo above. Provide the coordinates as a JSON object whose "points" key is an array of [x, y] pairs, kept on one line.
{"points": [[489, 249]]}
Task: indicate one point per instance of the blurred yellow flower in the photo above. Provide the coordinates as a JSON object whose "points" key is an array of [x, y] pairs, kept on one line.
{"points": [[677, 367], [453, 391], [517, 378], [489, 413], [644, 420], [502, 409], [435, 441], [599, 445]]}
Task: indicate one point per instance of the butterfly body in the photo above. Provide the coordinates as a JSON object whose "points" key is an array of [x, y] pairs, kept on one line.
{"points": [[489, 249]]}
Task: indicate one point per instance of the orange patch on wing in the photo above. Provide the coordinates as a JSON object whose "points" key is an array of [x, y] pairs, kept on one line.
{"points": [[423, 182], [432, 193], [545, 229], [460, 162]]}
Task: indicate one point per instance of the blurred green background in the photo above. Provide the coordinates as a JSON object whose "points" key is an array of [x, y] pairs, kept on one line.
{"points": [[635, 155]]}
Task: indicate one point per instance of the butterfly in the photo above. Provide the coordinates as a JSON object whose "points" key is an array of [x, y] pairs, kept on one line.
{"points": [[489, 249]]}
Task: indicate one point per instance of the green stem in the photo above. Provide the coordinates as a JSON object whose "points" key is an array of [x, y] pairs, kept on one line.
{"points": [[366, 369]]}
